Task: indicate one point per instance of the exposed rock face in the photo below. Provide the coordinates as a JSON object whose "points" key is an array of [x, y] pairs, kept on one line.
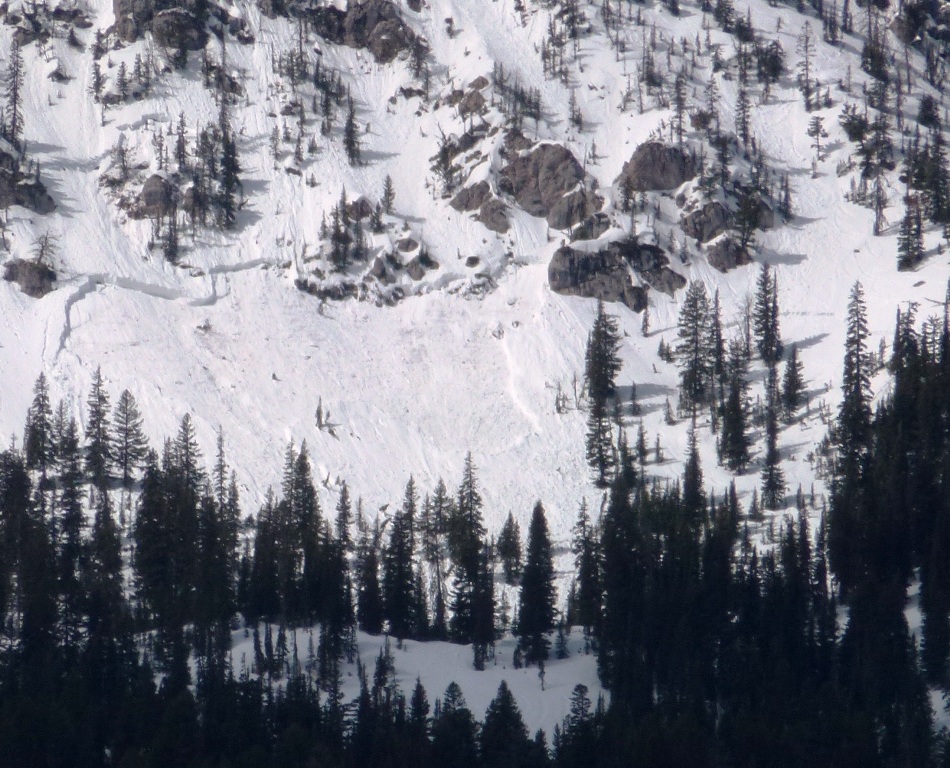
{"points": [[471, 103], [30, 194], [17, 188], [605, 274], [656, 166], [726, 254], [371, 24], [157, 198], [175, 23], [592, 227], [600, 275], [548, 182], [494, 215], [407, 244], [35, 280], [471, 198], [707, 222]]}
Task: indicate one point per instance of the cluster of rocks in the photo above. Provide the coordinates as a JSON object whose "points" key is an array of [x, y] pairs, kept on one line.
{"points": [[176, 24], [19, 188], [34, 279], [492, 212], [547, 181], [607, 273], [374, 25]]}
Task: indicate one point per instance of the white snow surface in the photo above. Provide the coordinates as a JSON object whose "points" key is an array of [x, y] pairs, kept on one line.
{"points": [[412, 388]]}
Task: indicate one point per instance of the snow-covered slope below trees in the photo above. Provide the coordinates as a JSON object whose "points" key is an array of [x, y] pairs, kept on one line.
{"points": [[473, 357]]}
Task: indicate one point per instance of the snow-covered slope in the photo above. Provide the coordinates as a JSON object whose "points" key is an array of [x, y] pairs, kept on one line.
{"points": [[472, 358]]}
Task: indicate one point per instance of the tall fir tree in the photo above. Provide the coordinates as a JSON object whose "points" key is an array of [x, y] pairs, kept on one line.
{"points": [[536, 611], [98, 449]]}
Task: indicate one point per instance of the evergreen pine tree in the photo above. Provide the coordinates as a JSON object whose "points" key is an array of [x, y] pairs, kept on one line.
{"points": [[503, 738], [398, 573], [128, 439], [38, 446], [773, 478], [98, 451], [509, 550], [792, 385], [693, 350], [536, 611]]}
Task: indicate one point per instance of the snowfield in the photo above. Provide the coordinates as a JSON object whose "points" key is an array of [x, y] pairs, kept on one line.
{"points": [[472, 359]]}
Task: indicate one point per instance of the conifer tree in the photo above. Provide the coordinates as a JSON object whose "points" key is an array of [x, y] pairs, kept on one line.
{"points": [[351, 138], [128, 439], [98, 451], [536, 611], [773, 478], [765, 317], [389, 195], [70, 523], [586, 549], [14, 81], [854, 414], [734, 440], [792, 385], [910, 238], [398, 573], [503, 738], [369, 599], [38, 445], [509, 550], [693, 350]]}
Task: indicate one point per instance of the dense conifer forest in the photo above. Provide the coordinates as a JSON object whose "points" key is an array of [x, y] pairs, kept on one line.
{"points": [[125, 570]]}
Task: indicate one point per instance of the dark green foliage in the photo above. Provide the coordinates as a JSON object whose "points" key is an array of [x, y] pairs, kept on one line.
{"points": [[602, 364], [509, 550], [536, 613], [38, 441], [503, 738], [587, 565], [98, 452], [765, 317], [694, 352], [910, 238], [792, 385], [399, 594], [773, 478]]}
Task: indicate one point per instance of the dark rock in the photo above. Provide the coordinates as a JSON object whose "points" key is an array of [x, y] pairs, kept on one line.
{"points": [[472, 198], [183, 22], [707, 222], [472, 261], [378, 269], [157, 198], [415, 269], [494, 215], [600, 275], [455, 97], [16, 190], [605, 274], [472, 104], [592, 227], [371, 24], [359, 209], [766, 214], [572, 208], [35, 280], [540, 179], [407, 244], [414, 5], [478, 83], [655, 166], [726, 254]]}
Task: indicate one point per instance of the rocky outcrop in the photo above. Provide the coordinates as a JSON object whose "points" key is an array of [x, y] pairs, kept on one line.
{"points": [[707, 222], [549, 182], [471, 198], [175, 23], [726, 254], [157, 198], [494, 215], [18, 188], [656, 166], [599, 275], [372, 24], [591, 228], [35, 280], [606, 274], [27, 192]]}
